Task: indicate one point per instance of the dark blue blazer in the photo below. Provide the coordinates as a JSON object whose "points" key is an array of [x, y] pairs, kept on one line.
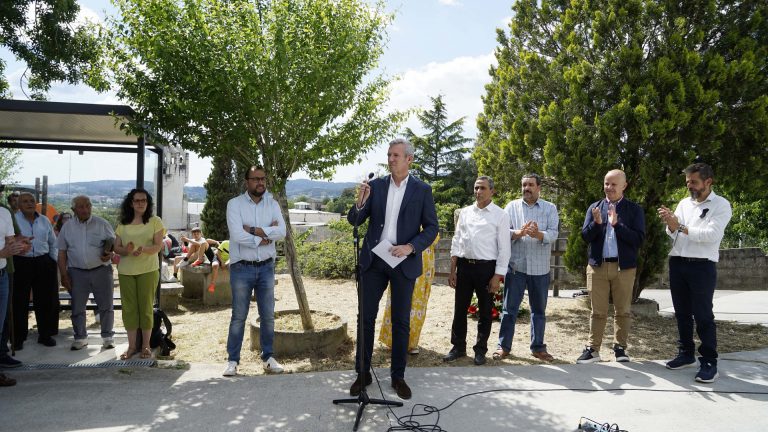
{"points": [[416, 222], [630, 232]]}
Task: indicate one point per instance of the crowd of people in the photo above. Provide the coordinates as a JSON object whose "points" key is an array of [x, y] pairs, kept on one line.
{"points": [[491, 248]]}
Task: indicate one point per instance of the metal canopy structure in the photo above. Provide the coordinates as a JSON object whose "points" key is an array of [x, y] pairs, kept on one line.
{"points": [[60, 126]]}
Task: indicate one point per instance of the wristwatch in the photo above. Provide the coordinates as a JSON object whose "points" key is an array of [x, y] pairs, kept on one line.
{"points": [[252, 231], [681, 228]]}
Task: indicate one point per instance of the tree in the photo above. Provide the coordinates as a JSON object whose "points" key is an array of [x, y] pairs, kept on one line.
{"points": [[223, 184], [44, 35], [439, 151], [282, 83], [343, 202], [9, 164], [582, 87]]}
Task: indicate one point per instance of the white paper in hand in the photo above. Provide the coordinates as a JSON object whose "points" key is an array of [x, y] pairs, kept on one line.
{"points": [[382, 250]]}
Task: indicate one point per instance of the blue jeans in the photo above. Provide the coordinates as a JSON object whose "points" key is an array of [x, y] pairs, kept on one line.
{"points": [[246, 279], [514, 289], [4, 292]]}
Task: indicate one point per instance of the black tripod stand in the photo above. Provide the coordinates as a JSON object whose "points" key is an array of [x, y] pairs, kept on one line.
{"points": [[362, 399]]}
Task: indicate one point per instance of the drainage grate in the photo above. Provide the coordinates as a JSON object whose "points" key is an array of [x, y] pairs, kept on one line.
{"points": [[106, 364]]}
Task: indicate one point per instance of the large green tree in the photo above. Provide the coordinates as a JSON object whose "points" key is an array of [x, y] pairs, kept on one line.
{"points": [[44, 35], [282, 83], [223, 184], [441, 149], [9, 164], [584, 86]]}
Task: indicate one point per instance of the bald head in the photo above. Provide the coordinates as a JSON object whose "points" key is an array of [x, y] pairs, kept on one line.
{"points": [[614, 184]]}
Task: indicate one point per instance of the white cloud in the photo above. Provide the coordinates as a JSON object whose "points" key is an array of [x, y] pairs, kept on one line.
{"points": [[449, 2], [461, 81]]}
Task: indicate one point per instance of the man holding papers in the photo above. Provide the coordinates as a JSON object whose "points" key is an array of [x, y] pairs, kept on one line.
{"points": [[401, 214], [480, 253]]}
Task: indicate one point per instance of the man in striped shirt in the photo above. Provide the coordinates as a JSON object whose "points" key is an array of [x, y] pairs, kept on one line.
{"points": [[533, 228]]}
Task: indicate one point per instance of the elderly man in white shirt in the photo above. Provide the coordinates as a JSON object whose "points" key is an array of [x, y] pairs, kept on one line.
{"points": [[696, 228], [480, 253]]}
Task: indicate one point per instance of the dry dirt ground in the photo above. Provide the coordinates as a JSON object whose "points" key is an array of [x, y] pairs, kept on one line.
{"points": [[200, 332]]}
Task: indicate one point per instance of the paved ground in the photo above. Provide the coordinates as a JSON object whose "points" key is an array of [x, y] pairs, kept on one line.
{"points": [[638, 396]]}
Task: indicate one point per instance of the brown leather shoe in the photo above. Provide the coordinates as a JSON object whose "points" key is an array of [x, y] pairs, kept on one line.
{"points": [[543, 355], [401, 388], [6, 381], [357, 387]]}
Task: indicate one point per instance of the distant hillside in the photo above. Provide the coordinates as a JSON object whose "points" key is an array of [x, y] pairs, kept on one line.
{"points": [[118, 189]]}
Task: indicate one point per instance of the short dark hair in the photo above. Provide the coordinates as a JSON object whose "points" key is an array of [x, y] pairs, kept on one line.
{"points": [[488, 179], [253, 168], [705, 171], [533, 176]]}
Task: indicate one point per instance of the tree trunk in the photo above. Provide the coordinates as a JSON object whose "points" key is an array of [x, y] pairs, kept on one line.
{"points": [[293, 265]]}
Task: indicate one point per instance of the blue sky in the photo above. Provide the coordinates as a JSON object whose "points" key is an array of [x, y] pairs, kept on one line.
{"points": [[435, 47]]}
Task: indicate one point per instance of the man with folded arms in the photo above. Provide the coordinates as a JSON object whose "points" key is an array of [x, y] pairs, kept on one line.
{"points": [[696, 228], [479, 259], [85, 265], [533, 228]]}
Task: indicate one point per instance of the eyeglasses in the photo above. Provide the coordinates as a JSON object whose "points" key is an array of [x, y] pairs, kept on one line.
{"points": [[258, 179], [140, 201]]}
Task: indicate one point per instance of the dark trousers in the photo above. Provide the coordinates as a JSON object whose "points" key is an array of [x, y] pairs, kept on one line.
{"points": [[693, 285], [39, 276], [6, 334], [374, 283], [472, 278]]}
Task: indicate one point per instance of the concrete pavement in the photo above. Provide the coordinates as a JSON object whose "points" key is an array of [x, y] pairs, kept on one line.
{"points": [[638, 396]]}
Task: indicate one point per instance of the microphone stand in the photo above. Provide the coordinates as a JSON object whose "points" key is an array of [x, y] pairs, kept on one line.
{"points": [[362, 399]]}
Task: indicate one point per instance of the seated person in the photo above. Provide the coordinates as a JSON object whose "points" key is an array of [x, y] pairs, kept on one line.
{"points": [[198, 247], [220, 257]]}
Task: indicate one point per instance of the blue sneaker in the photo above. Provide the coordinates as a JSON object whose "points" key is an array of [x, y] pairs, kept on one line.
{"points": [[8, 362], [681, 361], [707, 372]]}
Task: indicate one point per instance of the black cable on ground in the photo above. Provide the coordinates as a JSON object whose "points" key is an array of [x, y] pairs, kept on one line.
{"points": [[409, 422]]}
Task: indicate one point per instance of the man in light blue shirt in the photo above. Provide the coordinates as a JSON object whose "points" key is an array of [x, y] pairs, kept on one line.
{"points": [[255, 222], [533, 228], [36, 272], [85, 265]]}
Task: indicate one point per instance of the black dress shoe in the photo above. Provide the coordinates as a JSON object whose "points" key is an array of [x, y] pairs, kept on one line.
{"points": [[47, 341], [401, 388], [454, 354], [357, 387], [479, 359]]}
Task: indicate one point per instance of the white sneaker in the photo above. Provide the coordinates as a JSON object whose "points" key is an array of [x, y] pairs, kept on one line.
{"points": [[183, 263], [107, 343], [79, 344], [231, 369], [272, 366]]}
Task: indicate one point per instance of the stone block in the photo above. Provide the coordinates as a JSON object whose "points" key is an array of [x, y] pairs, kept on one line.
{"points": [[222, 292], [169, 295]]}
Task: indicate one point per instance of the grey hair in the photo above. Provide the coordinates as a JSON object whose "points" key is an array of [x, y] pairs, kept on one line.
{"points": [[79, 198], [705, 171], [488, 179], [405, 142]]}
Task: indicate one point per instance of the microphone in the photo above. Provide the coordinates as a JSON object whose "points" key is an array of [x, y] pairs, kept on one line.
{"points": [[704, 213], [370, 176]]}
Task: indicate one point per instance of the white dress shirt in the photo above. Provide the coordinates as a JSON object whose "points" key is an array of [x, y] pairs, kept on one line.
{"points": [[483, 233], [241, 210], [6, 230], [394, 201], [706, 222]]}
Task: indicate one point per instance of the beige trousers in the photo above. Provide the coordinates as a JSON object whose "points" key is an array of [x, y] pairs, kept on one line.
{"points": [[608, 281]]}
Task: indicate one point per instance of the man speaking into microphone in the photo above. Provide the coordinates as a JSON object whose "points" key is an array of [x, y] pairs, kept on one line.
{"points": [[403, 223]]}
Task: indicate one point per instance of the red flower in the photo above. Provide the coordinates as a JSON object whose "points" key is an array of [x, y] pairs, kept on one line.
{"points": [[472, 309], [494, 313]]}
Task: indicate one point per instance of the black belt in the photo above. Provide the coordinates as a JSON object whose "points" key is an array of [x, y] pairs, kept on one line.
{"points": [[256, 263], [689, 259], [476, 261], [612, 259], [90, 269]]}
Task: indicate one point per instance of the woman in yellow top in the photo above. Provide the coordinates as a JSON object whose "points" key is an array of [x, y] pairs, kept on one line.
{"points": [[421, 290], [138, 240]]}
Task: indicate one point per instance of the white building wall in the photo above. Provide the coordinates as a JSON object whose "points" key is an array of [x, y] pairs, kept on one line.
{"points": [[175, 176]]}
